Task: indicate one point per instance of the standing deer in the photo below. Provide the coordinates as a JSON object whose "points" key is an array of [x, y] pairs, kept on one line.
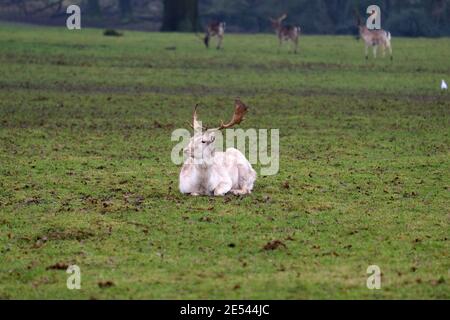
{"points": [[214, 29], [286, 32], [375, 38], [207, 172]]}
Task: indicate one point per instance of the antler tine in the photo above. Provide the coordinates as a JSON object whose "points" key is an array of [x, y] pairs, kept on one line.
{"points": [[194, 115], [357, 16], [195, 123], [240, 109], [282, 17]]}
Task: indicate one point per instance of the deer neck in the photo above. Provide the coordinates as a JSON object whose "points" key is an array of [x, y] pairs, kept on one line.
{"points": [[203, 172], [364, 32], [277, 28], [204, 165]]}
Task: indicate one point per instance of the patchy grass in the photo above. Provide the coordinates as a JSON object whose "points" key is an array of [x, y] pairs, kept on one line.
{"points": [[86, 176]]}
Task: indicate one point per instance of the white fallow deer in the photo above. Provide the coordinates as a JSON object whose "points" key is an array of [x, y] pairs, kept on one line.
{"points": [[285, 32], [214, 29], [207, 172], [377, 38]]}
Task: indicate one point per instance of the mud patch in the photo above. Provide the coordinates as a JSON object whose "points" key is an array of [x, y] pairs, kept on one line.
{"points": [[273, 245], [68, 234], [58, 266]]}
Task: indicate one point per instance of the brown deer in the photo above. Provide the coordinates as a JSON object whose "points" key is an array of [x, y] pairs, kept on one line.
{"points": [[214, 29], [285, 32], [375, 39]]}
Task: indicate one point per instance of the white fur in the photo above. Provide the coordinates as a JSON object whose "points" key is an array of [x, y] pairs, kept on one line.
{"points": [[207, 172]]}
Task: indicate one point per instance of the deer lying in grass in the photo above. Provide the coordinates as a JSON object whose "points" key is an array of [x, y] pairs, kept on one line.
{"points": [[207, 172], [286, 33], [214, 29], [375, 38]]}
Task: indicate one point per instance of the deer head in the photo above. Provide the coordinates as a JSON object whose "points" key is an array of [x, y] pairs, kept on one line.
{"points": [[201, 145], [357, 17], [276, 23], [359, 24]]}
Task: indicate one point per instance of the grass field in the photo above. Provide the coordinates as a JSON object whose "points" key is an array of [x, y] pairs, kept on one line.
{"points": [[86, 176]]}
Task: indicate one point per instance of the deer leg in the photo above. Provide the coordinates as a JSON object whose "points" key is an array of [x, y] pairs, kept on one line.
{"points": [[390, 52], [247, 177], [280, 42], [375, 48], [206, 40], [219, 42], [296, 45], [223, 188], [239, 192], [367, 52]]}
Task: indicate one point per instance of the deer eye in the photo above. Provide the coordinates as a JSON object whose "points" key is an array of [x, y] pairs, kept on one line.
{"points": [[203, 141]]}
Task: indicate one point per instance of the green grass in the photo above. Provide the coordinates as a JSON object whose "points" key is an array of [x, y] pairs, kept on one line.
{"points": [[86, 176]]}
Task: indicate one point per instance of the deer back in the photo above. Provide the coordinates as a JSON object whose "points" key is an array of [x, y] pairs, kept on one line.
{"points": [[216, 28], [288, 32], [373, 37]]}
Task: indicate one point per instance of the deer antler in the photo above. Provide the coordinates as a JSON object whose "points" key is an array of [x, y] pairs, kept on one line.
{"points": [[284, 16], [194, 115], [195, 124], [240, 109], [357, 15]]}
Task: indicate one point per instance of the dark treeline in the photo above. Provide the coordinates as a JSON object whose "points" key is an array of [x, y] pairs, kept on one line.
{"points": [[402, 17]]}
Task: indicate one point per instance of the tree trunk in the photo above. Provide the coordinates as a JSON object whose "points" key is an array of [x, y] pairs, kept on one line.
{"points": [[180, 15]]}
